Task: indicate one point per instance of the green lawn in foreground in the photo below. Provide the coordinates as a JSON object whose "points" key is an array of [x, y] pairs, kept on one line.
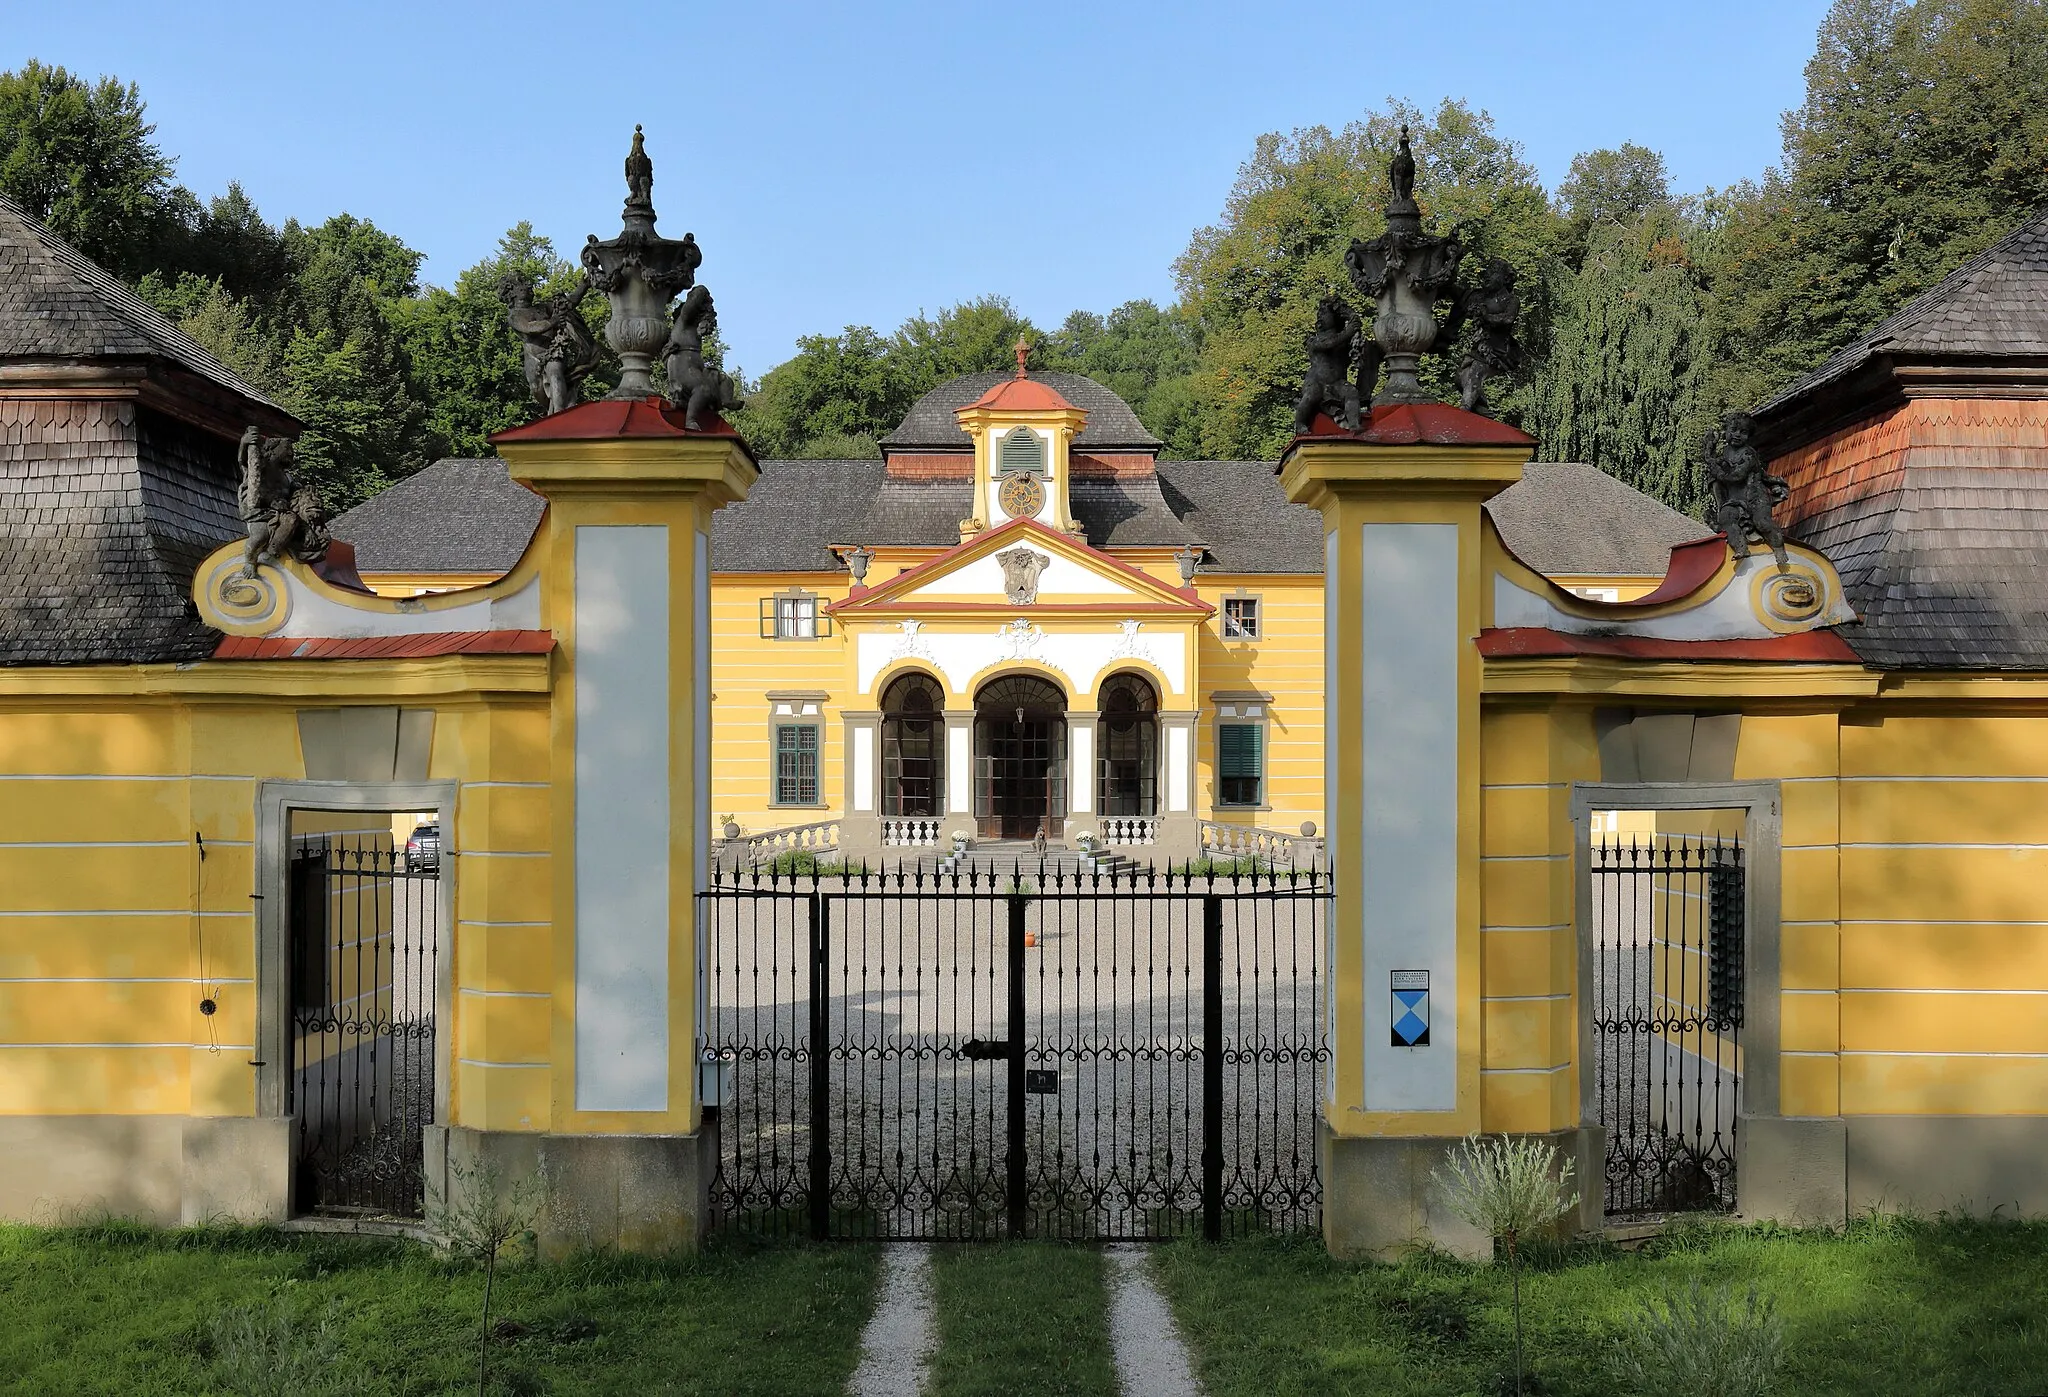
{"points": [[1891, 1308], [1021, 1319], [125, 1310]]}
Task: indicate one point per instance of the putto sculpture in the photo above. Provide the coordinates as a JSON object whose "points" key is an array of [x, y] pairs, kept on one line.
{"points": [[1405, 272], [1745, 492], [640, 272], [694, 385], [1328, 388], [553, 340], [281, 516]]}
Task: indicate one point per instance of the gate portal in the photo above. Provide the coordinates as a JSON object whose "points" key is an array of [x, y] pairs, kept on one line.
{"points": [[1038, 1052], [1667, 1003], [363, 939]]}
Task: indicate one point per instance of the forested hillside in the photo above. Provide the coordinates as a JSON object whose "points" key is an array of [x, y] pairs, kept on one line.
{"points": [[1647, 311]]}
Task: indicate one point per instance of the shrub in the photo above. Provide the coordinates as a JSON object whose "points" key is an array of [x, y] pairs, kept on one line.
{"points": [[1508, 1189], [258, 1351], [1701, 1344]]}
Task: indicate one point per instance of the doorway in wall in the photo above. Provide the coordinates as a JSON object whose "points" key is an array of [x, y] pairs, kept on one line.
{"points": [[362, 945], [1020, 758], [1666, 900]]}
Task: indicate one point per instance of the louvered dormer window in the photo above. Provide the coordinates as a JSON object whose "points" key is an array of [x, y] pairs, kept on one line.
{"points": [[1023, 450]]}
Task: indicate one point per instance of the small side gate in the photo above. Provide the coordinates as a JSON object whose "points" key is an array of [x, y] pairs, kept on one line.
{"points": [[927, 1056], [1668, 927], [364, 923]]}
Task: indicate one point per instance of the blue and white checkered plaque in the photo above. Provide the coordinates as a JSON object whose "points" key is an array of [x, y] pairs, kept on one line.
{"points": [[1411, 1008]]}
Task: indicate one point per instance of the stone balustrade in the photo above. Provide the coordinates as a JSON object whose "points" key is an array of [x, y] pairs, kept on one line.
{"points": [[1129, 831], [910, 832]]}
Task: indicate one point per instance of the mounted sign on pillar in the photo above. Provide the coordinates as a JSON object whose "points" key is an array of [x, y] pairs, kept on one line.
{"points": [[1400, 485], [631, 483]]}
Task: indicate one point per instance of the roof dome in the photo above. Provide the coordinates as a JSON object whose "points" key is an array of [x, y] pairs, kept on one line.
{"points": [[932, 425]]}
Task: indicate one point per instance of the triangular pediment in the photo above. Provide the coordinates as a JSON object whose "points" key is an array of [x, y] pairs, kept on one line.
{"points": [[1062, 573]]}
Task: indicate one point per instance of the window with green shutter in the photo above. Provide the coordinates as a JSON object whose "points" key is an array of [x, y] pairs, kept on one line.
{"points": [[796, 764], [1240, 764], [1023, 451]]}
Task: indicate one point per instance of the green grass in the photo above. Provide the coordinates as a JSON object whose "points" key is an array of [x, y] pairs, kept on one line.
{"points": [[1888, 1308], [118, 1309], [1021, 1319]]}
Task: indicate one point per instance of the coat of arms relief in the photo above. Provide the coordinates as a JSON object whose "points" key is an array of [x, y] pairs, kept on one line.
{"points": [[1021, 570]]}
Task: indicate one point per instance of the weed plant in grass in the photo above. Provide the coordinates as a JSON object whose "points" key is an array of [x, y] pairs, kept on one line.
{"points": [[1900, 1307], [140, 1313], [1021, 1319]]}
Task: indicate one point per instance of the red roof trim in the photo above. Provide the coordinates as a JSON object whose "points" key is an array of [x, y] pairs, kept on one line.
{"points": [[1692, 566], [1050, 608], [1538, 643], [1409, 424], [384, 647], [611, 419]]}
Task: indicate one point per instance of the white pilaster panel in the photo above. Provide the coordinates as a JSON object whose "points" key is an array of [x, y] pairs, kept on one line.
{"points": [[1179, 769], [863, 768], [959, 768], [1408, 601], [1081, 772], [622, 817], [1332, 591]]}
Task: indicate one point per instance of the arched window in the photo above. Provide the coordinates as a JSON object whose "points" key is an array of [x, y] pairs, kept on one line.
{"points": [[1128, 769], [1023, 450], [913, 746]]}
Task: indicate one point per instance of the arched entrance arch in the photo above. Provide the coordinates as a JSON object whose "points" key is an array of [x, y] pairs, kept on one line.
{"points": [[913, 746], [1020, 758], [1127, 769]]}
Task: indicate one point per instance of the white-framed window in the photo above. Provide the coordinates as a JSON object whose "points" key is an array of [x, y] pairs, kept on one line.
{"points": [[796, 764], [793, 615], [1241, 618]]}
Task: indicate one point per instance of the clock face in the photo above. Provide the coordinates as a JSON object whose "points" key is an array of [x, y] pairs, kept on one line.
{"points": [[1021, 496]]}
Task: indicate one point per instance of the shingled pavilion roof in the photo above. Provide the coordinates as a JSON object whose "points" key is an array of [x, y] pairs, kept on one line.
{"points": [[109, 493], [931, 423], [1942, 546]]}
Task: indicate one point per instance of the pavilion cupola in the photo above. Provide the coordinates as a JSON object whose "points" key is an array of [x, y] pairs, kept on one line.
{"points": [[1023, 433]]}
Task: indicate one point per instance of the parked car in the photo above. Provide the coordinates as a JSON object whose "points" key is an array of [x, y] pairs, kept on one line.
{"points": [[423, 849]]}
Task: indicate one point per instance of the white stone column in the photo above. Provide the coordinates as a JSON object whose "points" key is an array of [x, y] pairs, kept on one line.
{"points": [[959, 775], [1082, 817], [1179, 833], [860, 828]]}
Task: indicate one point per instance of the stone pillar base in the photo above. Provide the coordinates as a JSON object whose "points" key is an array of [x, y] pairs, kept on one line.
{"points": [[1380, 1201], [1792, 1171], [634, 1193], [168, 1171]]}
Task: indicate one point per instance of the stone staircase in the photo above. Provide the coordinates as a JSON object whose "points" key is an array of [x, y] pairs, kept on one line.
{"points": [[1001, 861]]}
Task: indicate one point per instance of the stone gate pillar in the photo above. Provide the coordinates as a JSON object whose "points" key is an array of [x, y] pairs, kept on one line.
{"points": [[1401, 510], [625, 583]]}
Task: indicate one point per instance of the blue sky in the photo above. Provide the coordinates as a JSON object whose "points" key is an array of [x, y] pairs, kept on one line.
{"points": [[856, 163]]}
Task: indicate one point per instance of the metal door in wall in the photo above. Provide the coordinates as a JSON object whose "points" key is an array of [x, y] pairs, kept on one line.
{"points": [[1016, 1052], [364, 932], [1669, 914]]}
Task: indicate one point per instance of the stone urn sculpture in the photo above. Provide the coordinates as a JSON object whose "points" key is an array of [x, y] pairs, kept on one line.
{"points": [[640, 272]]}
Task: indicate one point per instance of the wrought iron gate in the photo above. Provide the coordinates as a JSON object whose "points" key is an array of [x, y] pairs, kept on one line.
{"points": [[1032, 1053], [364, 923], [1668, 926]]}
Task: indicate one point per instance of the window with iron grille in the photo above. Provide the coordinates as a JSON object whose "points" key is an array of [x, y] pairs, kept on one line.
{"points": [[1240, 618], [1240, 764], [796, 764], [793, 616], [1725, 892]]}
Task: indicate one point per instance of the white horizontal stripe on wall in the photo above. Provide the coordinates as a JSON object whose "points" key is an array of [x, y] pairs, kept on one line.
{"points": [[1805, 1052], [479, 1062], [1524, 1071], [122, 980], [1523, 858], [508, 994], [506, 785], [1521, 998], [1932, 921], [470, 921], [501, 853], [1943, 780], [1887, 1052], [118, 912], [57, 776], [1918, 989], [223, 1047], [1523, 926], [97, 844], [1931, 844], [1524, 785]]}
